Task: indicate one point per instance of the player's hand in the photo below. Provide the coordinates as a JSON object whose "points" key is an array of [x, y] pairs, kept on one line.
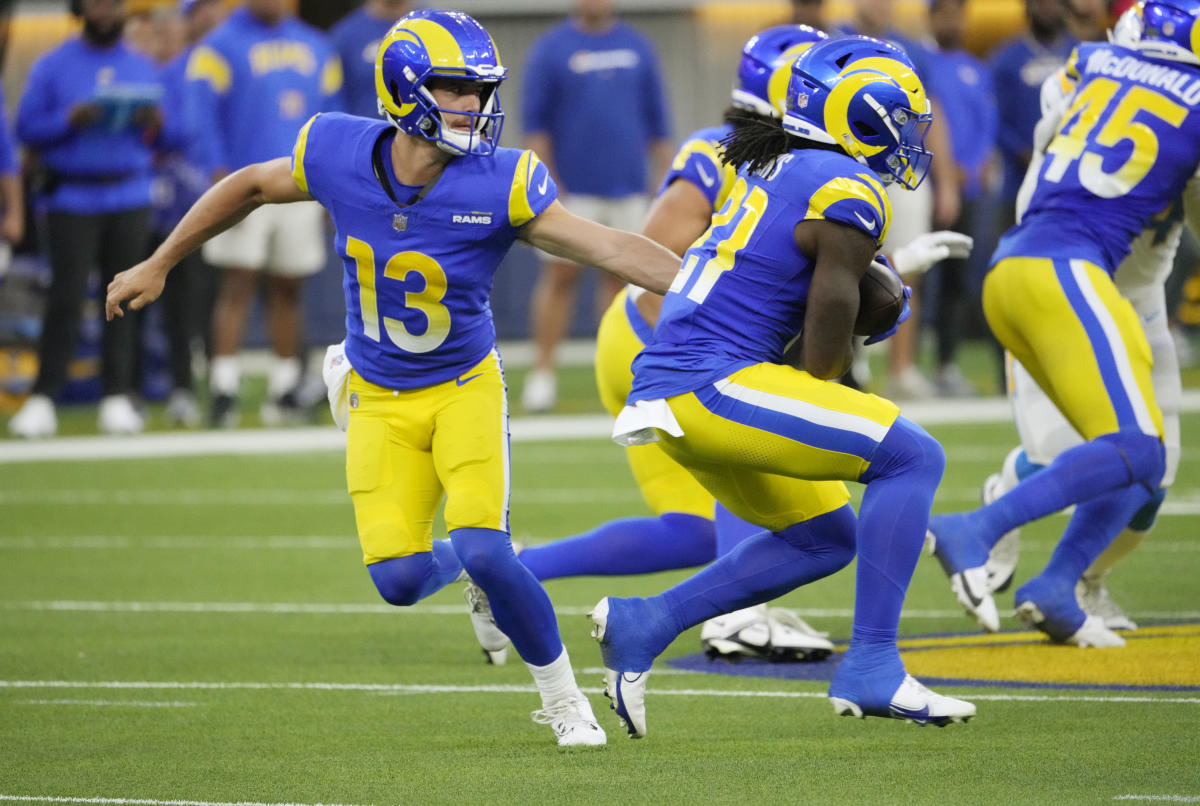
{"points": [[918, 255], [84, 114], [140, 285]]}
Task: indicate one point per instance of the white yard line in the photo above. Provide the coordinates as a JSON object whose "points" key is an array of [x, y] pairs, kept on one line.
{"points": [[342, 542], [1166, 798], [146, 801], [120, 703], [524, 429], [397, 688], [196, 497], [335, 608]]}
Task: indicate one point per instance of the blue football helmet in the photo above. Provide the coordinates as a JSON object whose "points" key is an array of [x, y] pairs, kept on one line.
{"points": [[765, 68], [439, 44], [1169, 30], [862, 95]]}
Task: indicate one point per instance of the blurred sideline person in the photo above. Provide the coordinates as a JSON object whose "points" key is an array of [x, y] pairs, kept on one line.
{"points": [[1019, 66], [916, 211], [91, 112], [12, 193], [356, 38], [1044, 432], [964, 86], [771, 442], [684, 531], [807, 12], [1051, 301], [419, 383], [254, 81], [595, 111], [180, 180]]}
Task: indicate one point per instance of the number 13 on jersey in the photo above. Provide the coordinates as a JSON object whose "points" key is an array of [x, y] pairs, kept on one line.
{"points": [[427, 301]]}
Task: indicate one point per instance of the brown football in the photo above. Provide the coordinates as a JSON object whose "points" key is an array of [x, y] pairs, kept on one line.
{"points": [[880, 300]]}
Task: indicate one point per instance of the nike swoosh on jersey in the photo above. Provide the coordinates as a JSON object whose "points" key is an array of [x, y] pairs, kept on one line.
{"points": [[545, 181], [466, 380], [870, 225], [708, 180]]}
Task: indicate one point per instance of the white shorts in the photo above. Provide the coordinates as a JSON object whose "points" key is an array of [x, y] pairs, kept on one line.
{"points": [[625, 213], [283, 239], [1045, 433], [912, 214]]}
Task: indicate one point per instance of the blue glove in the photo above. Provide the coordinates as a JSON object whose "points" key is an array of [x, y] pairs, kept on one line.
{"points": [[904, 313]]}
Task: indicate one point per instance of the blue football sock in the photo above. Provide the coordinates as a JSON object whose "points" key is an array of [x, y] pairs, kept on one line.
{"points": [[627, 546], [731, 530], [1095, 468], [408, 580], [901, 481], [1093, 526], [519, 602], [761, 568]]}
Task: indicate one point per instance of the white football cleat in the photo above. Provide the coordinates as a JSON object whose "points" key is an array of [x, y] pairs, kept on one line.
{"points": [[1002, 560], [971, 589], [913, 702], [1095, 600], [540, 392], [182, 409], [490, 637], [35, 419], [118, 416], [1092, 633], [742, 632], [627, 693], [573, 722]]}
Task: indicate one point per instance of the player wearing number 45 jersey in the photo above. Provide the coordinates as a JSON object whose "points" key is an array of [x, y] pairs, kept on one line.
{"points": [[771, 442], [1124, 150], [425, 206]]}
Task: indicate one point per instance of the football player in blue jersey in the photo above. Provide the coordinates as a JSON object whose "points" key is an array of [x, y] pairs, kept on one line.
{"points": [[425, 205], [683, 531], [772, 442], [1107, 365], [1124, 150]]}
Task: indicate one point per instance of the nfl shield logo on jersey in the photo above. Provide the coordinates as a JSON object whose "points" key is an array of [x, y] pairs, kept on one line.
{"points": [[400, 222]]}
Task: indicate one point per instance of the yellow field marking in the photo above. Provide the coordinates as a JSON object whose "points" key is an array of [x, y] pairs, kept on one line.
{"points": [[1167, 655]]}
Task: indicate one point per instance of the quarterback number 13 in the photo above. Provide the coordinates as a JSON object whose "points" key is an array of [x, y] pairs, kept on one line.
{"points": [[428, 300]]}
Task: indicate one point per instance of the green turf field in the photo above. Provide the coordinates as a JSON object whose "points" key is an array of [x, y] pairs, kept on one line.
{"points": [[202, 630]]}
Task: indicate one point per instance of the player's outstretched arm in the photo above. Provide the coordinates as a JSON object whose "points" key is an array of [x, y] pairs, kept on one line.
{"points": [[633, 258], [842, 255], [222, 206]]}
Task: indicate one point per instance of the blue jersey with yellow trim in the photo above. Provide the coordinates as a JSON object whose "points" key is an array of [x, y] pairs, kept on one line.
{"points": [[741, 293], [417, 278], [1124, 150], [698, 160]]}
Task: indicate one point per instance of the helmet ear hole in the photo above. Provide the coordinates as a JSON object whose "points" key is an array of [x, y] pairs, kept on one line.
{"points": [[863, 129]]}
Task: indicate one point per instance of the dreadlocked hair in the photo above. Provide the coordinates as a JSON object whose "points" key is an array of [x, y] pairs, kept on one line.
{"points": [[755, 141]]}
